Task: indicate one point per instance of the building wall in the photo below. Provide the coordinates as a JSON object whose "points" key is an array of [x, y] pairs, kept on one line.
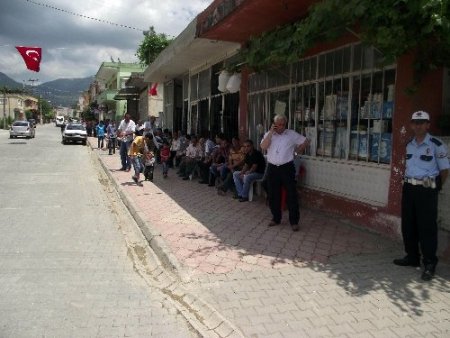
{"points": [[444, 199], [369, 194]]}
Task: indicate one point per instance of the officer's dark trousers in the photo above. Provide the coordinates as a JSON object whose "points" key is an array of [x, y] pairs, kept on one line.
{"points": [[283, 176], [419, 222]]}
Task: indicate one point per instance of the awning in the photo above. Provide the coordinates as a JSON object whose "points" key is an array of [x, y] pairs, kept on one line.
{"points": [[128, 93], [187, 52]]}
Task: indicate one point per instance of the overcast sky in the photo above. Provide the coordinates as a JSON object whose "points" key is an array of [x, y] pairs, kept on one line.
{"points": [[74, 46]]}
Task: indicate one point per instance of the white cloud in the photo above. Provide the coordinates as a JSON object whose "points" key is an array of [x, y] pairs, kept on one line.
{"points": [[75, 46]]}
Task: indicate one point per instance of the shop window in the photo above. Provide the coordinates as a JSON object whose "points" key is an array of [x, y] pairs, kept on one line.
{"points": [[342, 100], [185, 87], [194, 87], [204, 84], [258, 121], [279, 76]]}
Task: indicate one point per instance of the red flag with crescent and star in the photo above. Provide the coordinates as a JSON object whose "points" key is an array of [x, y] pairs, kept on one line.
{"points": [[153, 90], [31, 56]]}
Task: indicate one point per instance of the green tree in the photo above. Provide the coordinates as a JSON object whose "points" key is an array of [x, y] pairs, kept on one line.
{"points": [[151, 46], [394, 27], [47, 109]]}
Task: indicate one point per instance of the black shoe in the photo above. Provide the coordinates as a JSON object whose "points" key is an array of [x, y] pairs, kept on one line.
{"points": [[428, 272], [295, 227], [211, 185], [406, 261], [272, 223], [243, 199], [202, 182], [185, 178]]}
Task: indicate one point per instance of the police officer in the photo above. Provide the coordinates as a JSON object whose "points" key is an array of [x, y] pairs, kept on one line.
{"points": [[426, 171]]}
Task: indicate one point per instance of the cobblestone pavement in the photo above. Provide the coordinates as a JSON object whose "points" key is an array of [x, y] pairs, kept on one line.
{"points": [[330, 279]]}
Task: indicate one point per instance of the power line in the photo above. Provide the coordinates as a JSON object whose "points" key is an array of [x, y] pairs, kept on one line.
{"points": [[84, 16]]}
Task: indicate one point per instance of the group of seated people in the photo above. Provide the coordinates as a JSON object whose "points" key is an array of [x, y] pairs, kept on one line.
{"points": [[225, 165]]}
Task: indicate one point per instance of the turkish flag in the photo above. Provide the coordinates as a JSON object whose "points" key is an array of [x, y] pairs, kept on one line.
{"points": [[31, 56], [152, 91]]}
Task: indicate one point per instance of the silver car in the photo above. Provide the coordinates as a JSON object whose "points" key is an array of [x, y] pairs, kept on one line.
{"points": [[74, 132], [22, 128]]}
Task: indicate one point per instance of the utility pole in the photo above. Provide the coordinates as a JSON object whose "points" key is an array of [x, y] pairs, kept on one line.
{"points": [[33, 81], [4, 108]]}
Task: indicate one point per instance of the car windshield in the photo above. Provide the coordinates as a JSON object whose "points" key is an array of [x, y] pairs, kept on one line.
{"points": [[75, 127], [20, 124]]}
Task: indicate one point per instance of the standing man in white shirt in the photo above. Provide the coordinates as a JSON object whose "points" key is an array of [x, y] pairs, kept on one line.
{"points": [[281, 143], [126, 131]]}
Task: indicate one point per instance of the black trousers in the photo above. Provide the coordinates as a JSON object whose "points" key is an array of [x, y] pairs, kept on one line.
{"points": [[419, 222], [283, 176]]}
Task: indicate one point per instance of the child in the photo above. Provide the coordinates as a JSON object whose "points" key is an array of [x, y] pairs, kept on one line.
{"points": [[149, 164], [165, 155]]}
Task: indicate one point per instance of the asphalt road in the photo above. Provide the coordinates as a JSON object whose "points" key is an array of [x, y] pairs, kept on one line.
{"points": [[67, 252]]}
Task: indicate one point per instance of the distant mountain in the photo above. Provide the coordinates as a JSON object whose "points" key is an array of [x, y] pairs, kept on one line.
{"points": [[6, 81], [64, 92], [60, 92]]}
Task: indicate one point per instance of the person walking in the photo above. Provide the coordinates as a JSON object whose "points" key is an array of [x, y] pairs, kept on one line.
{"points": [[100, 134], [138, 151], [427, 167], [280, 144], [111, 134], [165, 156], [126, 131]]}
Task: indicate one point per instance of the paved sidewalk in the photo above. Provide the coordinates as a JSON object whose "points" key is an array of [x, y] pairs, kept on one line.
{"points": [[328, 279]]}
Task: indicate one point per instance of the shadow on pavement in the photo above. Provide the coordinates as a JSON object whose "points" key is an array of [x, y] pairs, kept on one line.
{"points": [[215, 234]]}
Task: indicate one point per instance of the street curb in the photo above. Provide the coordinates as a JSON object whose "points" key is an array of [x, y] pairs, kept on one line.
{"points": [[203, 317], [152, 235]]}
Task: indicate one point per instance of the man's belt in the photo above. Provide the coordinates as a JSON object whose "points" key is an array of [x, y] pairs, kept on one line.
{"points": [[426, 182], [280, 165]]}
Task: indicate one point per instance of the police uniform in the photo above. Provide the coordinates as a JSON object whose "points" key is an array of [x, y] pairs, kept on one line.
{"points": [[421, 185]]}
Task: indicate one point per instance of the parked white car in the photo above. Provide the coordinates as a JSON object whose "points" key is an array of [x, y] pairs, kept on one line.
{"points": [[74, 132], [22, 129]]}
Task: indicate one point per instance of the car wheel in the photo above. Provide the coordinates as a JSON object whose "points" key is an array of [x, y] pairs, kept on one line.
{"points": [[10, 136], [83, 143], [64, 141]]}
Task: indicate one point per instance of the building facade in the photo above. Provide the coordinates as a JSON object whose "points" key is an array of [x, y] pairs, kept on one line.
{"points": [[110, 79], [355, 112]]}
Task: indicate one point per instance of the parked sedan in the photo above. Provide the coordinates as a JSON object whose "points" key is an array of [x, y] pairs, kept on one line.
{"points": [[21, 128], [74, 132]]}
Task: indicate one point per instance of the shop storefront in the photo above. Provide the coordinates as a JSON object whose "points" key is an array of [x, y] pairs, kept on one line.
{"points": [[344, 103], [354, 108]]}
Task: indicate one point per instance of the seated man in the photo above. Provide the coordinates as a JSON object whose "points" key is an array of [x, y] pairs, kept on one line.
{"points": [[193, 154], [219, 162], [235, 162], [180, 155], [253, 169], [211, 151]]}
